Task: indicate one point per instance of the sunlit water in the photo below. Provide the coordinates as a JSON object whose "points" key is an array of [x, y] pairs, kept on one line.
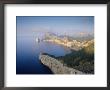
{"points": [[27, 58]]}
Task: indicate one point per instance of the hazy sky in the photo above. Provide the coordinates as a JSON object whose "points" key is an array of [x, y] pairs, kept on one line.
{"points": [[70, 25]]}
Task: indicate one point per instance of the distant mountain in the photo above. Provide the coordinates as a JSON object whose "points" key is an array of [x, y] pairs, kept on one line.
{"points": [[50, 34], [79, 36]]}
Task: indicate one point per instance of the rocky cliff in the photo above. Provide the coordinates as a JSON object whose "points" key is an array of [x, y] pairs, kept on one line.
{"points": [[56, 66]]}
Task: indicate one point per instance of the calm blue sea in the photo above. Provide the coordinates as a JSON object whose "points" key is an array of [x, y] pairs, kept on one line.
{"points": [[27, 55]]}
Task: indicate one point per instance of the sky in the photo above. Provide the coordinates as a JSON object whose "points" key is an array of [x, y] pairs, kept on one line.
{"points": [[30, 26]]}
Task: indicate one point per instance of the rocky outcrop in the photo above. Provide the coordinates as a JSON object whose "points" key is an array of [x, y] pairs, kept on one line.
{"points": [[56, 66]]}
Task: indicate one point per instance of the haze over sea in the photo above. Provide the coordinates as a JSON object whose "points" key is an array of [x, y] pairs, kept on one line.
{"points": [[30, 27]]}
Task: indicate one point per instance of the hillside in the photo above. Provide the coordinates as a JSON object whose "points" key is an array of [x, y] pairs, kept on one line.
{"points": [[82, 60]]}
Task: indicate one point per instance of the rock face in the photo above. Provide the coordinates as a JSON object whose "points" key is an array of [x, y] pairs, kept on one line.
{"points": [[56, 66]]}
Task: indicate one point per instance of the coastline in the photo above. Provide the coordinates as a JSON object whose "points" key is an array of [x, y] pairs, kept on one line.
{"points": [[56, 66], [63, 45]]}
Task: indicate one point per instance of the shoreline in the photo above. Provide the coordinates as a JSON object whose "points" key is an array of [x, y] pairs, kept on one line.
{"points": [[65, 46]]}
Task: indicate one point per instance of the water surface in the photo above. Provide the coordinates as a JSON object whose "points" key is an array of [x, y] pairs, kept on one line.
{"points": [[27, 56]]}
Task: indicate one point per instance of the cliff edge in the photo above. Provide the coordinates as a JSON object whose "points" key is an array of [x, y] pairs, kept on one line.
{"points": [[56, 66]]}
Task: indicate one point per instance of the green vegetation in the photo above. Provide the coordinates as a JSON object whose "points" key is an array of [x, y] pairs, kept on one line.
{"points": [[82, 60]]}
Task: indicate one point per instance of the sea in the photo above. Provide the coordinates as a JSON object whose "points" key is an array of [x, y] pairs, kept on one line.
{"points": [[27, 55]]}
